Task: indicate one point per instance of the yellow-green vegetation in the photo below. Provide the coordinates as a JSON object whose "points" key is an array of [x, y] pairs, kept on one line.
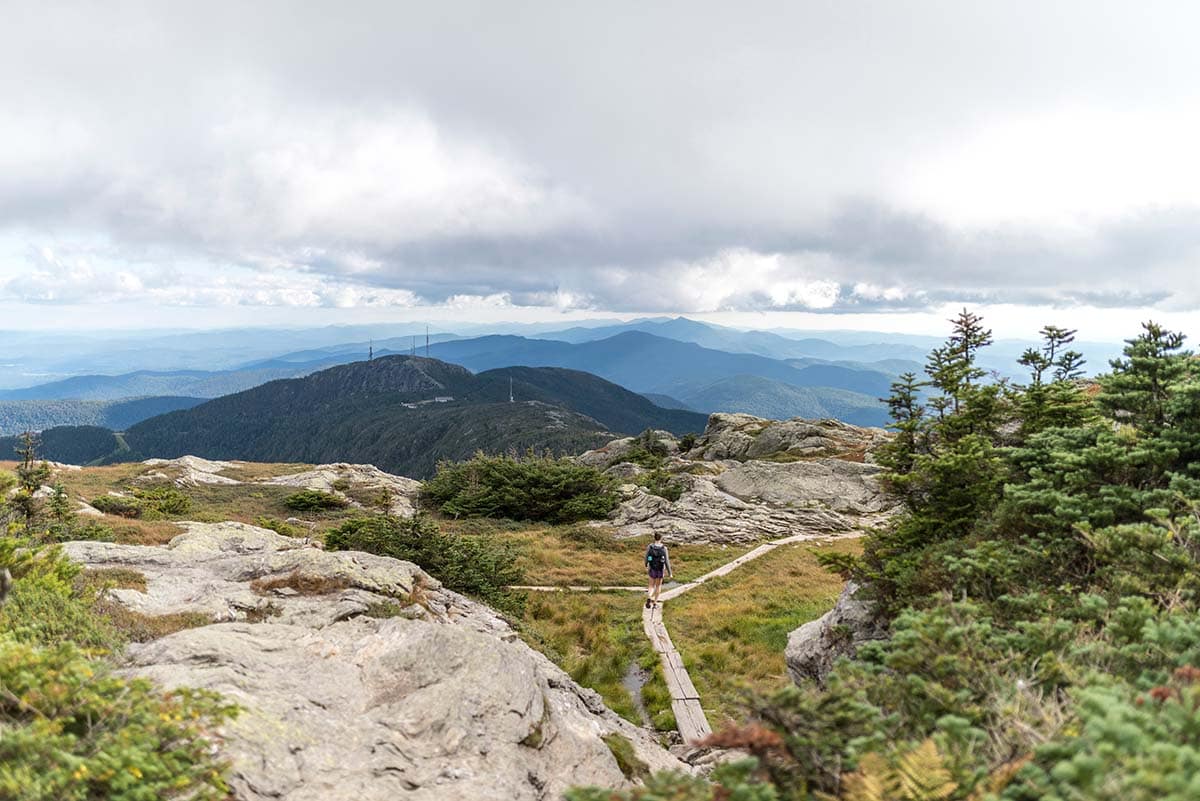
{"points": [[587, 555], [145, 511], [597, 638], [70, 728], [732, 630]]}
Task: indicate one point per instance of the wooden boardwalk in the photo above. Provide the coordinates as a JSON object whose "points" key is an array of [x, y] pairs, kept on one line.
{"points": [[685, 700]]}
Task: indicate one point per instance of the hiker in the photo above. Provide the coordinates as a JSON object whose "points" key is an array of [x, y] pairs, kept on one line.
{"points": [[657, 562]]}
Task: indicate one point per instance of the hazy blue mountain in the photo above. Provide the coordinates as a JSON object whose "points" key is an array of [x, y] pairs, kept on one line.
{"points": [[386, 412], [764, 397], [666, 401], [648, 363], [189, 383], [762, 343], [37, 415]]}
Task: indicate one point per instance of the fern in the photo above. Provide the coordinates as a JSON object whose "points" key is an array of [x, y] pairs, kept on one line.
{"points": [[919, 774]]}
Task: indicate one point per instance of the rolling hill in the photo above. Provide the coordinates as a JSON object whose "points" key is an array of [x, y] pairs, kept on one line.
{"points": [[404, 414]]}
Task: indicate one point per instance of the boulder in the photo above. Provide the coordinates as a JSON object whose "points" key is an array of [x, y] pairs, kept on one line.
{"points": [[436, 698], [814, 647]]}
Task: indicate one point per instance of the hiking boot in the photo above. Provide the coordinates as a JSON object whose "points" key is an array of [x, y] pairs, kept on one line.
{"points": [[649, 603]]}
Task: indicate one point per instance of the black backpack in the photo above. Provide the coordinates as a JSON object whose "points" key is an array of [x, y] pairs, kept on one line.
{"points": [[656, 556]]}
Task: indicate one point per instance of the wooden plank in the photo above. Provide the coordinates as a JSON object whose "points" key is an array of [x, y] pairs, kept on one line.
{"points": [[678, 681], [690, 719]]}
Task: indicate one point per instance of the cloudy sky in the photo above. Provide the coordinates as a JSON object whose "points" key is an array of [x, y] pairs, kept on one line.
{"points": [[805, 164]]}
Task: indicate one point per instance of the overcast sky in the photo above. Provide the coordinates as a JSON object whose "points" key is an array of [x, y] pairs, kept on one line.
{"points": [[805, 164]]}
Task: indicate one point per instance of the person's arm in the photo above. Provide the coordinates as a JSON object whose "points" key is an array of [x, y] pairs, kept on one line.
{"points": [[667, 559]]}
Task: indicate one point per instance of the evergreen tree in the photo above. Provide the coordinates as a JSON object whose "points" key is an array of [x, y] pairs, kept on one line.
{"points": [[1138, 391], [31, 475]]}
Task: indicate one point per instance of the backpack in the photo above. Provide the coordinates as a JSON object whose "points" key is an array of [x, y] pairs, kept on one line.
{"points": [[656, 556]]}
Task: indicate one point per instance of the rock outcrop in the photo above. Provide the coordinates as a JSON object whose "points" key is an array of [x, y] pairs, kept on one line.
{"points": [[748, 479], [360, 677], [814, 647], [353, 481], [743, 436]]}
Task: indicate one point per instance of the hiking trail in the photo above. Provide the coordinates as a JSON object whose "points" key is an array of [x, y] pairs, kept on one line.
{"points": [[685, 700]]}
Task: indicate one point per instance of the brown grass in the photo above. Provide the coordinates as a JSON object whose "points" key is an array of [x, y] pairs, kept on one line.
{"points": [[98, 579], [137, 627], [732, 630], [303, 583], [592, 556]]}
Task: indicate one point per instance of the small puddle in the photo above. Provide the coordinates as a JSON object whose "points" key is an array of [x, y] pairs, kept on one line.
{"points": [[634, 680]]}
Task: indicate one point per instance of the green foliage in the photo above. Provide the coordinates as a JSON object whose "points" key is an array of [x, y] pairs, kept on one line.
{"points": [[530, 488], [734, 781], [281, 527], [1042, 587], [647, 450], [73, 731], [163, 500], [310, 500], [661, 483], [478, 565], [119, 505]]}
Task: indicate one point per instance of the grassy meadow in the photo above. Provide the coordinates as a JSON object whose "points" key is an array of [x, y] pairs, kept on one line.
{"points": [[732, 630]]}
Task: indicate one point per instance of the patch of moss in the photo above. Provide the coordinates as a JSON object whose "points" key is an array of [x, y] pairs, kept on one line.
{"points": [[622, 750]]}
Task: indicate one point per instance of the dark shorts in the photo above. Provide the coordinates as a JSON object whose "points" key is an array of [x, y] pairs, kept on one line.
{"points": [[656, 572]]}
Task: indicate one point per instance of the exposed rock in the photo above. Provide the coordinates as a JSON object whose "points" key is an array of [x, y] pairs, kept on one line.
{"points": [[814, 647], [87, 510], [846, 487], [743, 436], [440, 701], [189, 471], [358, 479], [726, 500]]}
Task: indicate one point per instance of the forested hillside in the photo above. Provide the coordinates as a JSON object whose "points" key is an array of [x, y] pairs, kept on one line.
{"points": [[385, 412], [35, 415], [1041, 591]]}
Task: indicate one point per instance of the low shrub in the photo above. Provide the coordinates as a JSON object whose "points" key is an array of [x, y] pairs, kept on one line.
{"points": [[74, 731], [481, 566], [163, 500], [281, 527], [661, 483], [314, 501], [118, 505], [555, 490]]}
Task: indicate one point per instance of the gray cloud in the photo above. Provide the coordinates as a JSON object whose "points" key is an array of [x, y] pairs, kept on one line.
{"points": [[680, 157]]}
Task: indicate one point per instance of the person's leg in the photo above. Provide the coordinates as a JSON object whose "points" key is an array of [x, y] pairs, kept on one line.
{"points": [[649, 593], [657, 588]]}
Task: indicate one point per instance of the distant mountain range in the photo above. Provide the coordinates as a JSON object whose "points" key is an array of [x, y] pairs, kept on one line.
{"points": [[690, 374], [761, 343], [652, 364], [401, 413], [179, 383], [764, 397]]}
